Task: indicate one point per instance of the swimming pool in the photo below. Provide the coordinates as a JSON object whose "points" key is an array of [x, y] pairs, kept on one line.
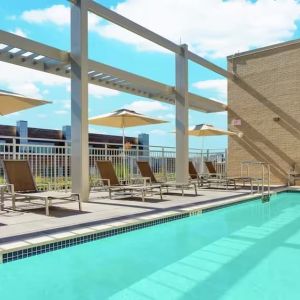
{"points": [[245, 251]]}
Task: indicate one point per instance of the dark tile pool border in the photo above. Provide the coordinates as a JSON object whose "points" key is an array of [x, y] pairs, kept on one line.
{"points": [[10, 256], [49, 247]]}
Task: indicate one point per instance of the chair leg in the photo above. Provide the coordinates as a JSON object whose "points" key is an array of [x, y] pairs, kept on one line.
{"points": [[161, 198], [2, 199], [79, 202], [47, 206], [143, 195], [109, 193], [196, 192], [13, 199]]}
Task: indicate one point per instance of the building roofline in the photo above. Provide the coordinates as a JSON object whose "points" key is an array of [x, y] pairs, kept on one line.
{"points": [[267, 48]]}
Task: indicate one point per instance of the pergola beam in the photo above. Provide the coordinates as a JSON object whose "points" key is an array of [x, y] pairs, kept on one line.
{"points": [[130, 77], [30, 45], [57, 62], [209, 65], [131, 26]]}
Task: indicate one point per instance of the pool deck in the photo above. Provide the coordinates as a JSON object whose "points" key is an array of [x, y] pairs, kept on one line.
{"points": [[30, 221]]}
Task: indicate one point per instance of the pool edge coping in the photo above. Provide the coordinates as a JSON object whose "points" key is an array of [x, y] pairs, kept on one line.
{"points": [[117, 227]]}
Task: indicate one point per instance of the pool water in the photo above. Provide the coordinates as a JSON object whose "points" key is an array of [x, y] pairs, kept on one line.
{"points": [[245, 251]]}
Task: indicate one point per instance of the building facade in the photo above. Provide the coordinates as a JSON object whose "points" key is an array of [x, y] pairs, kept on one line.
{"points": [[264, 105], [40, 136]]}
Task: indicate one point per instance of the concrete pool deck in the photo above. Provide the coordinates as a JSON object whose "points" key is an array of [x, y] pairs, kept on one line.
{"points": [[30, 221]]}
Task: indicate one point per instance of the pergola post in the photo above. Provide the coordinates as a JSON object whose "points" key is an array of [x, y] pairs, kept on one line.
{"points": [[182, 146], [79, 99]]}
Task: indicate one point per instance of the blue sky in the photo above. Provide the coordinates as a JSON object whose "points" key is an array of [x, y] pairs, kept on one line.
{"points": [[222, 28]]}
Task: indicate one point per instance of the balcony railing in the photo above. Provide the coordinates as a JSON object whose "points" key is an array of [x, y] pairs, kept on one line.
{"points": [[50, 160]]}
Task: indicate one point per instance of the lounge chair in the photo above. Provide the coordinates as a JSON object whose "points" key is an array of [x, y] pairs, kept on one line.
{"points": [[213, 177], [111, 182], [212, 172], [22, 186], [148, 175]]}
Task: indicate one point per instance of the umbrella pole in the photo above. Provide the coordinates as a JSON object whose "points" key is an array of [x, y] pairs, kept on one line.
{"points": [[123, 132]]}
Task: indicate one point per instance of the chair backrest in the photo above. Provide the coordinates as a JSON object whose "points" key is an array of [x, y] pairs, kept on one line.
{"points": [[18, 173], [107, 171], [192, 171], [210, 167], [146, 170]]}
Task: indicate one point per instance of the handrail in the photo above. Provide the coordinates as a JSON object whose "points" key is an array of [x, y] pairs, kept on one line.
{"points": [[141, 147], [265, 168]]}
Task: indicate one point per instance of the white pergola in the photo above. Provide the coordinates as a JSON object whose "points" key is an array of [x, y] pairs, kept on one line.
{"points": [[76, 65]]}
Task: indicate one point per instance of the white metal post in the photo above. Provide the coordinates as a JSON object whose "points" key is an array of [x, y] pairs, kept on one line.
{"points": [[182, 153], [79, 100]]}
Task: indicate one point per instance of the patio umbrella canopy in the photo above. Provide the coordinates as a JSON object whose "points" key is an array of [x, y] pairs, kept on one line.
{"points": [[123, 118], [11, 102], [208, 130]]}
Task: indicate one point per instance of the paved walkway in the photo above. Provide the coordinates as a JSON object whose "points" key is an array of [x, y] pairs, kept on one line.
{"points": [[30, 220]]}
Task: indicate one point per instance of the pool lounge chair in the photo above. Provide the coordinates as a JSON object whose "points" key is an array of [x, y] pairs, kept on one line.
{"points": [[111, 182], [212, 172], [23, 187], [214, 177], [148, 174]]}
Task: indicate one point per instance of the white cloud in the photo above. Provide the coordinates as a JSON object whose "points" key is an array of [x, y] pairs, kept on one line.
{"points": [[100, 92], [57, 14], [211, 28], [25, 81], [20, 32], [144, 106], [217, 86]]}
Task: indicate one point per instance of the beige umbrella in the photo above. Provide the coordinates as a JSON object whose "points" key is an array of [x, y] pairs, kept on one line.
{"points": [[203, 130], [208, 130], [11, 102], [123, 118]]}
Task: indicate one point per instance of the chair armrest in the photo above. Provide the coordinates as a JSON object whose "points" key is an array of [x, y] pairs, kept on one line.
{"points": [[10, 188], [145, 180], [101, 180]]}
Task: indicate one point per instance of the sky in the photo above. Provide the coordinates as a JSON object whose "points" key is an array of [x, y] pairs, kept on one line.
{"points": [[211, 28]]}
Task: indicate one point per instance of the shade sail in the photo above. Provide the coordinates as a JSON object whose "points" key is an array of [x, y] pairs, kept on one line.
{"points": [[208, 130], [123, 118], [11, 102]]}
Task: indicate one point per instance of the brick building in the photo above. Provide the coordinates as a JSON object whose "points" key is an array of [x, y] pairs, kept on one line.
{"points": [[55, 137], [264, 104]]}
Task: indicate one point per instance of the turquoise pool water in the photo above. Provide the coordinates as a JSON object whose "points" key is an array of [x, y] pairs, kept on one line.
{"points": [[246, 251]]}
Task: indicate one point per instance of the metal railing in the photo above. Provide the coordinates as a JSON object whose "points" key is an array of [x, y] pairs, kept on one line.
{"points": [[50, 160]]}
